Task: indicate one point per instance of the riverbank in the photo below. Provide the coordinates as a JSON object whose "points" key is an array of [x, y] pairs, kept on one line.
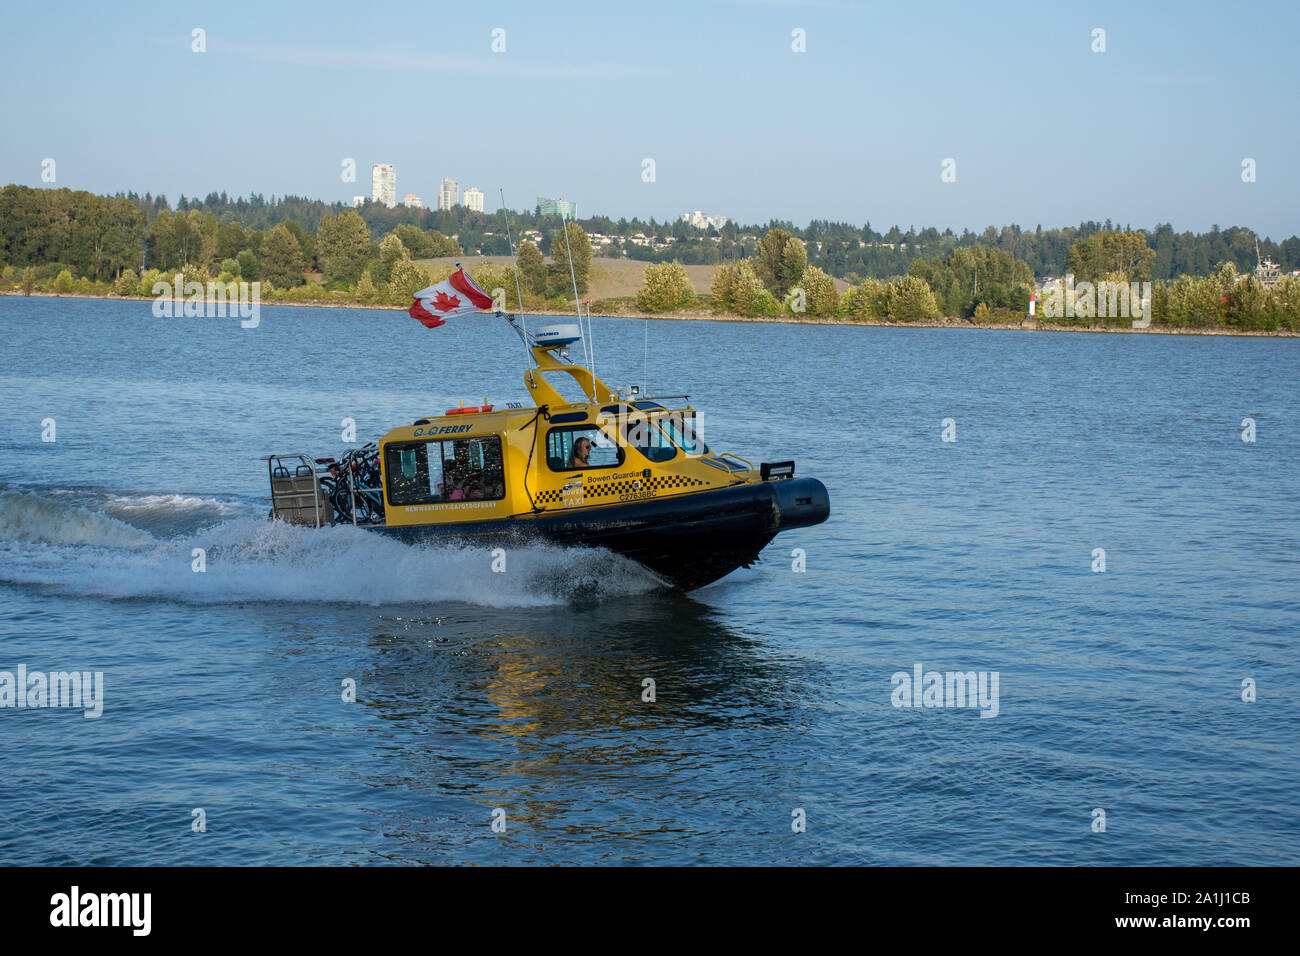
{"points": [[705, 315]]}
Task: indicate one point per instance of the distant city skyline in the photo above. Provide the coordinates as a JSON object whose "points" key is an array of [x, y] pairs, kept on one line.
{"points": [[383, 184], [949, 115], [700, 221]]}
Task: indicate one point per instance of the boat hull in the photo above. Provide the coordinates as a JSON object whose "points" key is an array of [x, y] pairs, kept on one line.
{"points": [[687, 540]]}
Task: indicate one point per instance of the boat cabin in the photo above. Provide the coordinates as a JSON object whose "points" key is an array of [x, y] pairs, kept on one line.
{"points": [[489, 463]]}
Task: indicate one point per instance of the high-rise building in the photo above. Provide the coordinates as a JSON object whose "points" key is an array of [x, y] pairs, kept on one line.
{"points": [[383, 184], [413, 201], [474, 199], [557, 207], [701, 221], [358, 201], [449, 194]]}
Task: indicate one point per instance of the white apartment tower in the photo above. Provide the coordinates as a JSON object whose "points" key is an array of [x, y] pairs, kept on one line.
{"points": [[474, 199], [449, 194], [383, 184]]}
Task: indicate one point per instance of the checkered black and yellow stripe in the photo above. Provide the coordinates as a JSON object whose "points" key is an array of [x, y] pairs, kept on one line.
{"points": [[625, 486]]}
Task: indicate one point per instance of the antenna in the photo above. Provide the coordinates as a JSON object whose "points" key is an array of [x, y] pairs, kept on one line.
{"points": [[505, 214], [592, 338], [573, 273]]}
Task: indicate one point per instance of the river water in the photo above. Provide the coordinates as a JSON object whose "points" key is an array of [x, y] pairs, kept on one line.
{"points": [[777, 732]]}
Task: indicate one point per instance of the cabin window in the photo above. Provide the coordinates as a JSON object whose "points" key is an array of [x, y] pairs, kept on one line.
{"points": [[645, 435], [561, 444], [410, 467], [461, 469], [680, 428]]}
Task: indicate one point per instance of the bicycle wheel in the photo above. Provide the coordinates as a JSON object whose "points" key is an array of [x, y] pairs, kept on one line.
{"points": [[342, 500]]}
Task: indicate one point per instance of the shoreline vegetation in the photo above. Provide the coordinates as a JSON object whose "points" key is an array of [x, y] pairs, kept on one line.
{"points": [[1027, 324], [59, 242]]}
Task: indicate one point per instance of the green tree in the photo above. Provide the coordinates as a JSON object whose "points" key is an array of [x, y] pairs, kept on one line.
{"points": [[126, 283], [163, 250], [405, 279], [1109, 251], [747, 290], [908, 299], [416, 240], [821, 298], [147, 280], [343, 246], [491, 278], [247, 265], [667, 287], [560, 281], [391, 251], [442, 246], [281, 259], [724, 282], [231, 239], [779, 261], [205, 230], [532, 268], [794, 260], [63, 282], [971, 275], [864, 300], [306, 242], [1286, 303], [365, 291]]}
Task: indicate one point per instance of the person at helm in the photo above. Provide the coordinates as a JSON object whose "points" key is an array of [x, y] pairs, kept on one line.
{"points": [[581, 452]]}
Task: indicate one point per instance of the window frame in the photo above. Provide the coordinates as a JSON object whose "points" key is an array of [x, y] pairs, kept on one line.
{"points": [[620, 451], [395, 449], [651, 422]]}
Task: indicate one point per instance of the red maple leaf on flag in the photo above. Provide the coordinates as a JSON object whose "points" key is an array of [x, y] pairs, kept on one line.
{"points": [[443, 302]]}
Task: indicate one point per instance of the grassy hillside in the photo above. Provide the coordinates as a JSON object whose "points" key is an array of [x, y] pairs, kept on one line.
{"points": [[610, 278]]}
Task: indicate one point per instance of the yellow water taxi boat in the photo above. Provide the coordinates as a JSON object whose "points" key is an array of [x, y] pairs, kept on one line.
{"points": [[616, 470]]}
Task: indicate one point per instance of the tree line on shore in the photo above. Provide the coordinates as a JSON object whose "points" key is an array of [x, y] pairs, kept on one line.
{"points": [[76, 242], [981, 284], [843, 250]]}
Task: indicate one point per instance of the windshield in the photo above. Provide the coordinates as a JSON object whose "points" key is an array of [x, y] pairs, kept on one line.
{"points": [[681, 431], [659, 436]]}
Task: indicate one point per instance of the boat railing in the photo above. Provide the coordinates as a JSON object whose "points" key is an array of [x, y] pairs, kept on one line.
{"points": [[296, 493]]}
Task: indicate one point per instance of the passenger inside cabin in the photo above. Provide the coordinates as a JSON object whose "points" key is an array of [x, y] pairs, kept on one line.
{"points": [[448, 469], [457, 483]]}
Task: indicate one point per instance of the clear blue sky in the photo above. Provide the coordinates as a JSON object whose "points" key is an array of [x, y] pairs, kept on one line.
{"points": [[1043, 130]]}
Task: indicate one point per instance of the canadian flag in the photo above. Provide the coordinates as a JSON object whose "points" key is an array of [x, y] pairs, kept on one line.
{"points": [[457, 295]]}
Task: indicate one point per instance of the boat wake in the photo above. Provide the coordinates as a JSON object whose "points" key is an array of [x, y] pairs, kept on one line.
{"points": [[143, 547]]}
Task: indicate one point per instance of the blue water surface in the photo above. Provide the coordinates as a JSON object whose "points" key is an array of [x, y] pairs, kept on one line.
{"points": [[519, 696]]}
